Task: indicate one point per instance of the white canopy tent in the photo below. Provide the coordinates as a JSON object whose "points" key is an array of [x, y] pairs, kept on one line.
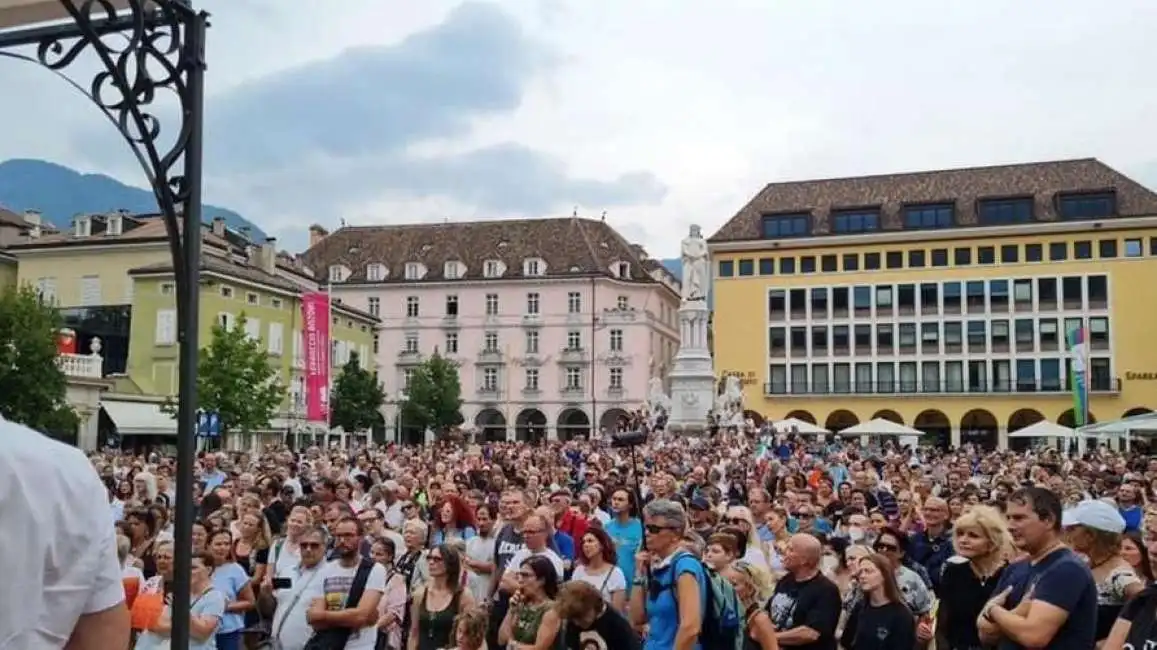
{"points": [[1044, 429], [881, 427], [794, 425], [1143, 425]]}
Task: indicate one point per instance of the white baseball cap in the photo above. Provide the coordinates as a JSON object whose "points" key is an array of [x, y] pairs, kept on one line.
{"points": [[1095, 514]]}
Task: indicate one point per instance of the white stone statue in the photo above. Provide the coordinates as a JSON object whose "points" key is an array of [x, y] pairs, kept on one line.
{"points": [[729, 403], [694, 266], [657, 400]]}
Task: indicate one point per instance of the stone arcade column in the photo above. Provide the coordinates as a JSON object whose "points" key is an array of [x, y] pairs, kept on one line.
{"points": [[693, 372]]}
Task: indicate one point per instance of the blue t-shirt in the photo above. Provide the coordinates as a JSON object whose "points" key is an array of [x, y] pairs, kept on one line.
{"points": [[565, 545], [1063, 580], [663, 609], [1132, 516], [211, 603], [627, 538], [230, 579]]}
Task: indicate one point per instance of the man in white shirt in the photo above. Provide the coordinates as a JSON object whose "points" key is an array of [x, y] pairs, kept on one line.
{"points": [[289, 627], [331, 609], [62, 583], [536, 531]]}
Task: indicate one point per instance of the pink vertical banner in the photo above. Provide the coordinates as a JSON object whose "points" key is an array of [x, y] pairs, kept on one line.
{"points": [[315, 315]]}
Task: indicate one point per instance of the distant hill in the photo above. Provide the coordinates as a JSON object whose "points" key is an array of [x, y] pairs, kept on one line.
{"points": [[60, 193]]}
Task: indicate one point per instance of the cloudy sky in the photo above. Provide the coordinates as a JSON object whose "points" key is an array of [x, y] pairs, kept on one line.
{"points": [[662, 113]]}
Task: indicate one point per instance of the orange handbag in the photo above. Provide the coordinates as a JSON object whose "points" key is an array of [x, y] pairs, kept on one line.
{"points": [[147, 608]]}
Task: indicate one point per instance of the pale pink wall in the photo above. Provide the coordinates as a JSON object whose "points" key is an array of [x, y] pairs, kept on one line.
{"points": [[652, 333]]}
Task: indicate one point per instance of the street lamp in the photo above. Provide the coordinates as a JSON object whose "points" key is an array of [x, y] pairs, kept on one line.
{"points": [[159, 50]]}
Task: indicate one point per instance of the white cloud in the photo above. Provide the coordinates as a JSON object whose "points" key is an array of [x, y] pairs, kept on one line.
{"points": [[718, 98]]}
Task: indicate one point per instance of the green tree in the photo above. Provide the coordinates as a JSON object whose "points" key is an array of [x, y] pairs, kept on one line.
{"points": [[434, 397], [237, 379], [356, 402], [33, 388]]}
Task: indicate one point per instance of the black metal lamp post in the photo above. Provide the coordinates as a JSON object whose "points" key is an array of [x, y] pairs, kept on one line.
{"points": [[143, 50]]}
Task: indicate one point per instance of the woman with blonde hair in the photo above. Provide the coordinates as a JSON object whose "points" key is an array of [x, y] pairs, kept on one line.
{"points": [[753, 588], [983, 546]]}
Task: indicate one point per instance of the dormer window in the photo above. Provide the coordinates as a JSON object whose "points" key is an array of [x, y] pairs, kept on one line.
{"points": [[115, 225], [338, 273], [415, 271], [453, 270], [493, 268], [533, 267], [82, 227], [376, 272], [621, 269]]}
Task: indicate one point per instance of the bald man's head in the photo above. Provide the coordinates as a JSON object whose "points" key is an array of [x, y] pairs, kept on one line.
{"points": [[803, 554]]}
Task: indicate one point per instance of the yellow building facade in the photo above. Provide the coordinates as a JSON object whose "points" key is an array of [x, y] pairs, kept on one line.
{"points": [[941, 300]]}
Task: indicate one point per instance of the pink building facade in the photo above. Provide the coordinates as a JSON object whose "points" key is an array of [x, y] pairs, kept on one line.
{"points": [[556, 325]]}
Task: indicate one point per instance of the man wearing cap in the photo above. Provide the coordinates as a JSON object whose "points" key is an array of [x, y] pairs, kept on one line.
{"points": [[566, 520], [700, 511], [1048, 599]]}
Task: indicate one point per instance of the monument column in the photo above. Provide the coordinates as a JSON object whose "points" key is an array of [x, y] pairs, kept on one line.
{"points": [[693, 372]]}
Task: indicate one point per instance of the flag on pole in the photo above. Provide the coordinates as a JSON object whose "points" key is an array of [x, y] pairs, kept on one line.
{"points": [[1079, 375]]}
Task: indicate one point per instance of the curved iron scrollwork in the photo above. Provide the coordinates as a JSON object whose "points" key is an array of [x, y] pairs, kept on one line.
{"points": [[144, 60]]}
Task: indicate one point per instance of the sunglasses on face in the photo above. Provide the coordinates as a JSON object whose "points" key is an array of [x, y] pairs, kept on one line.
{"points": [[310, 545], [887, 548], [736, 521], [655, 529]]}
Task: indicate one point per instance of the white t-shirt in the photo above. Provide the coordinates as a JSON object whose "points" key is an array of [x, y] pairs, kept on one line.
{"points": [[55, 533], [336, 581], [289, 624], [607, 582], [521, 554]]}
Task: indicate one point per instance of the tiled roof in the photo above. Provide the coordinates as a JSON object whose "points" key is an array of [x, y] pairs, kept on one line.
{"points": [[1042, 181], [137, 229], [10, 218], [234, 269], [570, 246]]}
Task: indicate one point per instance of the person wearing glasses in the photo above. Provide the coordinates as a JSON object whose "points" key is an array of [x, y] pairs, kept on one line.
{"points": [[753, 551], [669, 592], [295, 589]]}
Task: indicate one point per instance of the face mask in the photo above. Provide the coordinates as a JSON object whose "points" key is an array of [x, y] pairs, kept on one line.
{"points": [[829, 564], [856, 534]]}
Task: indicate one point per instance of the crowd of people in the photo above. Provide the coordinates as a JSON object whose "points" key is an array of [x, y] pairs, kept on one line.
{"points": [[735, 542]]}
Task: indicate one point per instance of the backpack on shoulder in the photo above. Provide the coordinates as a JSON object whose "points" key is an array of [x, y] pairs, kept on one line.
{"points": [[724, 625]]}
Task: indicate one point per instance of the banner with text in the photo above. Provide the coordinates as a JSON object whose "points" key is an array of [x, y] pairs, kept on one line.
{"points": [[315, 315]]}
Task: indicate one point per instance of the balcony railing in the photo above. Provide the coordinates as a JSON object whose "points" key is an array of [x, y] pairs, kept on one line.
{"points": [[573, 355], [1104, 385], [489, 392], [490, 355], [572, 391], [87, 366]]}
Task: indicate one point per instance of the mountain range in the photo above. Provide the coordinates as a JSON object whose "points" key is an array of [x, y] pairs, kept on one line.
{"points": [[60, 193]]}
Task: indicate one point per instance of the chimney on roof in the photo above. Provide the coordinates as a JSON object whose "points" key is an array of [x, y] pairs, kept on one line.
{"points": [[219, 226], [268, 256], [32, 218], [316, 234]]}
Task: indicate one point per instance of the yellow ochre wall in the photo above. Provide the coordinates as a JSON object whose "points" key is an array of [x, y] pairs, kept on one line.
{"points": [[741, 327]]}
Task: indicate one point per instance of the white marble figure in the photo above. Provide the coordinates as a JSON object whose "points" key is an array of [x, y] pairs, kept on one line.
{"points": [[694, 252], [657, 400], [729, 403]]}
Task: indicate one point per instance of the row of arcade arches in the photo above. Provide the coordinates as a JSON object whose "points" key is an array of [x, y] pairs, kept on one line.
{"points": [[978, 426], [531, 424]]}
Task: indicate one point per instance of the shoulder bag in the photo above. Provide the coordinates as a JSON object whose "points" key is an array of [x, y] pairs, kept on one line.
{"points": [[337, 637]]}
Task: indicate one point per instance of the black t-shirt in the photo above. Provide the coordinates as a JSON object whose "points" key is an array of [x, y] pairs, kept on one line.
{"points": [[610, 630], [813, 603], [1062, 580], [963, 596], [1141, 612], [887, 627]]}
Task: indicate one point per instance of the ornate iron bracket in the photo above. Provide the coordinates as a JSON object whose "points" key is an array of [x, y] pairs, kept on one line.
{"points": [[144, 54]]}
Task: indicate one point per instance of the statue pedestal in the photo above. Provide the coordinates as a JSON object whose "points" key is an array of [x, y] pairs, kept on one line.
{"points": [[693, 372]]}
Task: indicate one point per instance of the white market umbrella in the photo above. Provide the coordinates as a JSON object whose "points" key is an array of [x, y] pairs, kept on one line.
{"points": [[880, 427], [1044, 429], [799, 426]]}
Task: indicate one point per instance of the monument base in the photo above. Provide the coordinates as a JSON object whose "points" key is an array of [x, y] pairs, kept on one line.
{"points": [[693, 374]]}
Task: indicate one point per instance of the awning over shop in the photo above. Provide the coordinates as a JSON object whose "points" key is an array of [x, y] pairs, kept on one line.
{"points": [[139, 418]]}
